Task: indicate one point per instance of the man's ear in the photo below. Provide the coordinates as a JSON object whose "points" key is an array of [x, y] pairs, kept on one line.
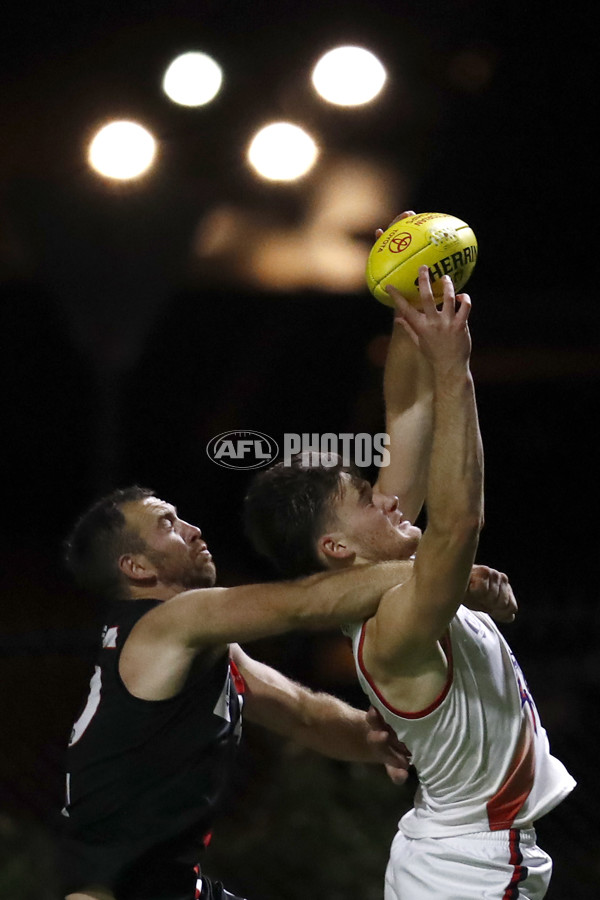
{"points": [[137, 567], [334, 548]]}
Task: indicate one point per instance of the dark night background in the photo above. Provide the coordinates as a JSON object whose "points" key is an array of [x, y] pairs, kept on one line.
{"points": [[122, 355]]}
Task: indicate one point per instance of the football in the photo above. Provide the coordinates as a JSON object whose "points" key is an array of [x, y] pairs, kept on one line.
{"points": [[443, 243]]}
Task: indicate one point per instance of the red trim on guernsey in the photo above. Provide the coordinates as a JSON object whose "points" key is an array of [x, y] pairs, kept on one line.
{"points": [[519, 871], [446, 647], [504, 806], [238, 678]]}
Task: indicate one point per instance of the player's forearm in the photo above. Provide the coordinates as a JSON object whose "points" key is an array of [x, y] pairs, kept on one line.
{"points": [[340, 734], [408, 395], [407, 375], [331, 727], [253, 612], [350, 595], [455, 484], [315, 720], [215, 616]]}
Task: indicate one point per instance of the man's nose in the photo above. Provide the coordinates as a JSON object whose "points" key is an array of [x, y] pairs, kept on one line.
{"points": [[392, 503], [192, 532], [387, 502]]}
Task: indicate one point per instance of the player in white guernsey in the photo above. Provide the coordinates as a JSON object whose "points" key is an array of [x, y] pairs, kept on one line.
{"points": [[442, 676], [485, 773]]}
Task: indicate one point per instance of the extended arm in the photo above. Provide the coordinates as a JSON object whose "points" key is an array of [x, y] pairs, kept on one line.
{"points": [[214, 616], [403, 634], [455, 482], [315, 720], [408, 393], [159, 651], [408, 396]]}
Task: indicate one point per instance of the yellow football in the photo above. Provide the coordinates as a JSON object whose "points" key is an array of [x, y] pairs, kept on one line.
{"points": [[443, 243]]}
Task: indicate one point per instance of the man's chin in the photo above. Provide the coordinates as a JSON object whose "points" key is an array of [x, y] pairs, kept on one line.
{"points": [[211, 575], [414, 535], [202, 578], [208, 576], [411, 539]]}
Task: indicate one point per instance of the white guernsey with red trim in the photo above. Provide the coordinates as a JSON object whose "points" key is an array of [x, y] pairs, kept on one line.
{"points": [[480, 751]]}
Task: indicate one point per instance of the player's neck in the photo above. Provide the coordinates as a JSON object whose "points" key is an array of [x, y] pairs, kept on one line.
{"points": [[157, 591]]}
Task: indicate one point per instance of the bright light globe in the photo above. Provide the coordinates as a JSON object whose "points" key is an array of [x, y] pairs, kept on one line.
{"points": [[282, 152], [192, 79], [349, 76], [122, 150]]}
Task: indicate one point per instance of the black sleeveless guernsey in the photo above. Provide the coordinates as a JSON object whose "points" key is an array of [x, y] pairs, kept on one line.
{"points": [[144, 778]]}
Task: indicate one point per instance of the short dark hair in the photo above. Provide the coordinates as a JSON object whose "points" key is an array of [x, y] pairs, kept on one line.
{"points": [[287, 507], [99, 538]]}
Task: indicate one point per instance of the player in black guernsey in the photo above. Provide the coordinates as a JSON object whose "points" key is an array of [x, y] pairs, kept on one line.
{"points": [[151, 751], [145, 777]]}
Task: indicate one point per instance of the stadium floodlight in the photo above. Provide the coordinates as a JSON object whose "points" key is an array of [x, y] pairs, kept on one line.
{"points": [[282, 152], [349, 76], [192, 79], [122, 150]]}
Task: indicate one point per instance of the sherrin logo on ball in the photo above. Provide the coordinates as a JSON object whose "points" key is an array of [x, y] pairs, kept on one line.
{"points": [[443, 243]]}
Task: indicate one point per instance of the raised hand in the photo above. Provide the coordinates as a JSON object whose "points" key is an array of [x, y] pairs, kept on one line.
{"points": [[489, 591], [442, 335]]}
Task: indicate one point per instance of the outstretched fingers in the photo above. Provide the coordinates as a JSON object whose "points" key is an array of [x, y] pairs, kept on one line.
{"points": [[464, 309], [405, 309], [428, 303], [448, 308]]}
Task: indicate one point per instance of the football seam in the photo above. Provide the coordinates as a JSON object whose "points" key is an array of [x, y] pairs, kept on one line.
{"points": [[404, 260]]}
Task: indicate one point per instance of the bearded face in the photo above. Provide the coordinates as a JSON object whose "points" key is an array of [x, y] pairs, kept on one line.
{"points": [[175, 548]]}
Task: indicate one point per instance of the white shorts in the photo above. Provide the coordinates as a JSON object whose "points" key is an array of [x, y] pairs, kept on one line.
{"points": [[491, 865]]}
